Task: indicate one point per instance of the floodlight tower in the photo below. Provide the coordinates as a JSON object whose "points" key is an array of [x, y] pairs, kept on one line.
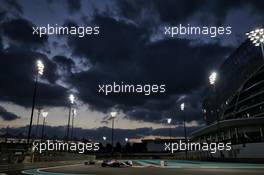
{"points": [[113, 116], [184, 121], [39, 112], [212, 81], [74, 113], [72, 100], [44, 115], [169, 123], [39, 72], [257, 38], [182, 106]]}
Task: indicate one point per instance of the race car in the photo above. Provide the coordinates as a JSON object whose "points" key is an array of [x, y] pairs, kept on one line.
{"points": [[116, 163]]}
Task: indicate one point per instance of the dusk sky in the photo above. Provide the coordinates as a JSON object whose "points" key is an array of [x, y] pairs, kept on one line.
{"points": [[130, 48]]}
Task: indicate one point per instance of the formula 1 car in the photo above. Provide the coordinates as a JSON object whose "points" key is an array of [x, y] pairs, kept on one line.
{"points": [[116, 163]]}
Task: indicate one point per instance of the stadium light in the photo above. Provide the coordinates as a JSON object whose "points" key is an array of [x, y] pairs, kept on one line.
{"points": [[257, 38], [126, 139], [212, 78], [169, 120], [113, 114], [182, 106], [44, 114], [40, 70], [71, 98], [40, 67]]}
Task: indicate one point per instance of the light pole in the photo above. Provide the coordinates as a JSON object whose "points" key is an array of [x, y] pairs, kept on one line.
{"points": [[74, 112], [39, 112], [212, 81], [104, 143], [71, 99], [40, 69], [44, 115], [113, 116], [257, 38], [169, 123], [184, 126]]}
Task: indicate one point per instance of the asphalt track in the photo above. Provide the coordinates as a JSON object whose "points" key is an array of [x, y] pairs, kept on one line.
{"points": [[151, 167]]}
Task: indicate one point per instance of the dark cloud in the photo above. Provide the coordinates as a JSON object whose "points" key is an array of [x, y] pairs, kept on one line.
{"points": [[11, 5], [185, 67], [168, 11], [20, 32], [17, 70], [171, 11], [18, 67], [6, 115], [50, 1], [74, 5], [125, 51], [1, 44], [65, 63], [2, 15], [130, 57], [158, 110], [221, 8], [70, 23], [107, 45]]}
